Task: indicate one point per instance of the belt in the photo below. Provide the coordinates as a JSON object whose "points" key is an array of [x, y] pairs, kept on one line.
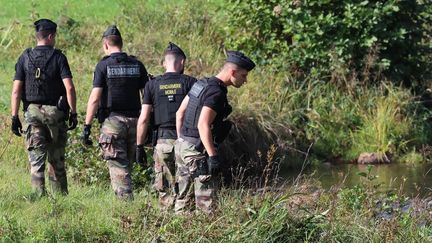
{"points": [[51, 103], [169, 133], [130, 114]]}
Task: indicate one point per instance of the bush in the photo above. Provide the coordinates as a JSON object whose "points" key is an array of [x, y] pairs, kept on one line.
{"points": [[322, 36]]}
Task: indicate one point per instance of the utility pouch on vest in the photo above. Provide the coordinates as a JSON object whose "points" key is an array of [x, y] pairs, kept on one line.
{"points": [[202, 167], [25, 105], [63, 105], [102, 114], [154, 137]]}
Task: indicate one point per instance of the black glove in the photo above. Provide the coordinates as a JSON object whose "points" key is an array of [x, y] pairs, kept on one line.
{"points": [[73, 121], [86, 135], [141, 156], [213, 165], [16, 126]]}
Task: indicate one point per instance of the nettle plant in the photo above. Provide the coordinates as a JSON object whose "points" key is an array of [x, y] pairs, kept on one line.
{"points": [[324, 35]]}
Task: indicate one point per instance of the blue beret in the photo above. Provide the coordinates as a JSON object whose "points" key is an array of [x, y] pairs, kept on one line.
{"points": [[173, 48], [240, 60], [111, 30], [45, 24]]}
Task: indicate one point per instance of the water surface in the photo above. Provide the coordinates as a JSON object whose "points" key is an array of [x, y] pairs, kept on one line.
{"points": [[410, 179]]}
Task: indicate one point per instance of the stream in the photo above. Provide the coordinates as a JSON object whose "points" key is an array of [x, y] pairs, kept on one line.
{"points": [[410, 179]]}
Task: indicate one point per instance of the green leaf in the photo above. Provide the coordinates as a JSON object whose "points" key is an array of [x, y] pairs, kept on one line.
{"points": [[369, 42], [364, 3], [363, 174]]}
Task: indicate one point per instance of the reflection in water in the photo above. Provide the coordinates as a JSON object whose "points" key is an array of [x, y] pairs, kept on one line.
{"points": [[411, 179]]}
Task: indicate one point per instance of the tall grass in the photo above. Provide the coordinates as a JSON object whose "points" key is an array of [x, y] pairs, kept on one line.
{"points": [[384, 128], [291, 215]]}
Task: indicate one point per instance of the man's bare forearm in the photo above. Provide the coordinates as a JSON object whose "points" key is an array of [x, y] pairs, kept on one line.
{"points": [[70, 93], [16, 97], [92, 105], [143, 123], [207, 139]]}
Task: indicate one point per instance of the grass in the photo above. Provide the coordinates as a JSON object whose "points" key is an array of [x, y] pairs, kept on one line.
{"points": [[25, 12], [92, 213]]}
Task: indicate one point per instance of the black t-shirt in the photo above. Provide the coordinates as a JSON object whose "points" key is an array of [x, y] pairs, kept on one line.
{"points": [[150, 89], [215, 95], [100, 73], [58, 62]]}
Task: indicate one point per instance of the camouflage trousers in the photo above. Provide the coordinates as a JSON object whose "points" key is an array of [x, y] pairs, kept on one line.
{"points": [[193, 187], [118, 143], [46, 137], [164, 168]]}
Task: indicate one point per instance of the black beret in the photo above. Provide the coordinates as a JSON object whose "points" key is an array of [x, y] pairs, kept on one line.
{"points": [[173, 48], [111, 30], [240, 59], [45, 24]]}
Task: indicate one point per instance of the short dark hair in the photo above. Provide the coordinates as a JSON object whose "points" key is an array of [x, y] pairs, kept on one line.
{"points": [[114, 40], [41, 35], [175, 54]]}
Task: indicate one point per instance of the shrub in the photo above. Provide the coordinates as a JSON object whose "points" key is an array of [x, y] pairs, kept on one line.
{"points": [[320, 35]]}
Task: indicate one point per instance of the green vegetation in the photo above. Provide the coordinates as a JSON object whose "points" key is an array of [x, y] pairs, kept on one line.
{"points": [[299, 212], [323, 36], [346, 77], [350, 103]]}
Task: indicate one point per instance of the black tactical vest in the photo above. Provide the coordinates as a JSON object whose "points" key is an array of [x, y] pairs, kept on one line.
{"points": [[123, 83], [169, 93], [196, 101], [43, 83]]}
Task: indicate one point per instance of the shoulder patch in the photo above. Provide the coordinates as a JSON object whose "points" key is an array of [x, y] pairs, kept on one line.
{"points": [[198, 88]]}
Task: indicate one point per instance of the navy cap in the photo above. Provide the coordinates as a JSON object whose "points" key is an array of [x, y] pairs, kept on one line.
{"points": [[173, 48], [111, 30], [240, 59], [45, 24]]}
